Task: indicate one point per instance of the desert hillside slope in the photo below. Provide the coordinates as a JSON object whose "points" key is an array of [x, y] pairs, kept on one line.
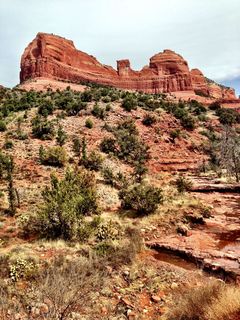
{"points": [[117, 204]]}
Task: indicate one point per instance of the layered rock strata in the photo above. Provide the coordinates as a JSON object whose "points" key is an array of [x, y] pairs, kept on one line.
{"points": [[53, 57]]}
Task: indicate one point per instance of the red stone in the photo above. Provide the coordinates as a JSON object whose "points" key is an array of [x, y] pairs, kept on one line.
{"points": [[53, 57]]}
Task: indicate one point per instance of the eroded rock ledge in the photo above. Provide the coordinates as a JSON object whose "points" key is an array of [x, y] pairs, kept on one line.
{"points": [[225, 265]]}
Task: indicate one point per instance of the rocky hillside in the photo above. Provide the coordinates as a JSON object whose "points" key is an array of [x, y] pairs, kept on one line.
{"points": [[92, 181], [52, 57], [173, 131]]}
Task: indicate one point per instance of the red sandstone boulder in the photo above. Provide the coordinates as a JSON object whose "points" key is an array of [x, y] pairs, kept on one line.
{"points": [[53, 57]]}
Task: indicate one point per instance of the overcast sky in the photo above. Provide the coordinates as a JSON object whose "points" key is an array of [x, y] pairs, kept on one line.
{"points": [[205, 32]]}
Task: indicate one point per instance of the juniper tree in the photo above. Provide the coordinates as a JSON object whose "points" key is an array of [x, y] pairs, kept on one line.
{"points": [[6, 173], [76, 146], [61, 136]]}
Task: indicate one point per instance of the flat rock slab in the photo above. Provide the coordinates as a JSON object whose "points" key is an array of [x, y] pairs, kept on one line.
{"points": [[214, 246], [216, 188]]}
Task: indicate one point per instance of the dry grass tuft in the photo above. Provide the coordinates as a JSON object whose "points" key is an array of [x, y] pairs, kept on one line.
{"points": [[226, 306], [215, 301]]}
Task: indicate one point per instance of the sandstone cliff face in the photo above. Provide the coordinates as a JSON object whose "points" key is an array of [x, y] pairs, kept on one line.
{"points": [[57, 58], [53, 57]]}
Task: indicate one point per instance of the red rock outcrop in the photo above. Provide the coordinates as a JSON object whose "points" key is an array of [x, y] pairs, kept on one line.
{"points": [[208, 88], [53, 57], [220, 92], [199, 82]]}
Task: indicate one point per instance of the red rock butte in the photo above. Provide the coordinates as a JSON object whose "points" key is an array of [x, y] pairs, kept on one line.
{"points": [[53, 57]]}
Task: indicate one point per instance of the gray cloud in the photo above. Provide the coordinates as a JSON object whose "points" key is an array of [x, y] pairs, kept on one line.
{"points": [[206, 33]]}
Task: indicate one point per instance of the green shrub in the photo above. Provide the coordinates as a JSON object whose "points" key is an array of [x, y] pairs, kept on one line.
{"points": [[149, 119], [210, 134], [182, 184], [203, 118], [89, 123], [227, 116], [108, 175], [139, 171], [42, 128], [74, 108], [215, 105], [180, 113], [198, 110], [117, 180], [46, 108], [3, 126], [107, 230], [127, 144], [107, 145], [106, 99], [61, 136], [53, 156], [188, 122], [98, 112], [76, 146], [104, 249], [142, 198], [108, 107], [197, 107], [93, 161], [86, 96], [66, 202], [130, 148], [22, 269], [7, 166], [128, 125], [8, 144], [22, 136], [174, 134], [129, 103]]}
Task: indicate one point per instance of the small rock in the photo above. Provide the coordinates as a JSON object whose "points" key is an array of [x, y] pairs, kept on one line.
{"points": [[126, 273], [76, 316], [35, 312], [127, 302], [183, 230], [109, 269], [104, 310], [131, 314], [44, 308], [155, 298], [174, 285]]}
